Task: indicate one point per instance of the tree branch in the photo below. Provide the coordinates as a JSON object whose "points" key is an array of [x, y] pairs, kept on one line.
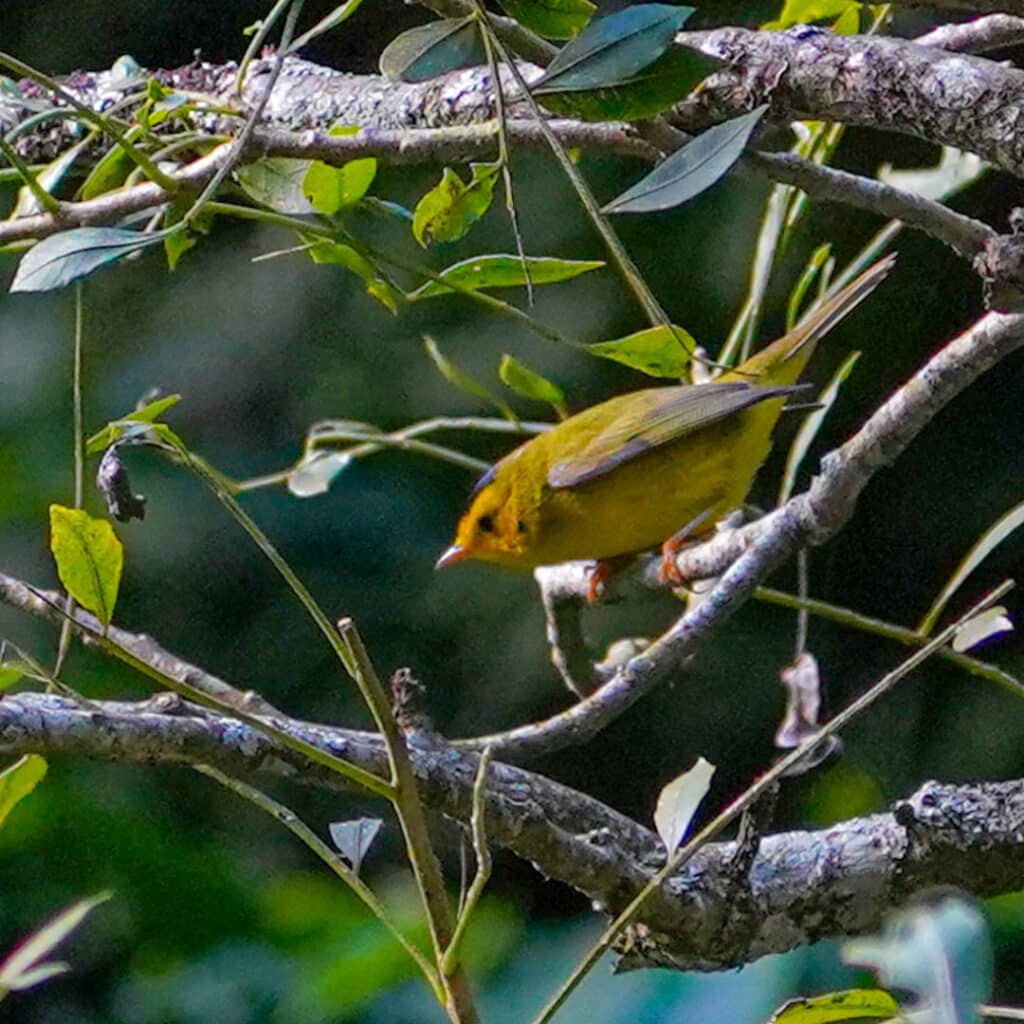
{"points": [[962, 835], [992, 32]]}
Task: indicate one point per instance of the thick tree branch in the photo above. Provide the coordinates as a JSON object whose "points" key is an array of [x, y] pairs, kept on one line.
{"points": [[992, 32], [953, 99], [802, 886]]}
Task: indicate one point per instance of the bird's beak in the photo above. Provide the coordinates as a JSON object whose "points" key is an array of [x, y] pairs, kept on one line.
{"points": [[456, 553]]}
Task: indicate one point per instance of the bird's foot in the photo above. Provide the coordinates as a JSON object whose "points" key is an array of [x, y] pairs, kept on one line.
{"points": [[601, 573], [669, 573]]}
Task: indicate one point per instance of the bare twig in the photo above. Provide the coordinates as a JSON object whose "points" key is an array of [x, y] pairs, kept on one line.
{"points": [[991, 32]]}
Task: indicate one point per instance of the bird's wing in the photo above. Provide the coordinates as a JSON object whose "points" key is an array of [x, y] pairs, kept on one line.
{"points": [[659, 416]]}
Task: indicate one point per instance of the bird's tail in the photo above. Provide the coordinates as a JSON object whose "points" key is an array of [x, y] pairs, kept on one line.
{"points": [[783, 361]]}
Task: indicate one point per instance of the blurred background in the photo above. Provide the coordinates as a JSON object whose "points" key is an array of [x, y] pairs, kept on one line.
{"points": [[218, 914]]}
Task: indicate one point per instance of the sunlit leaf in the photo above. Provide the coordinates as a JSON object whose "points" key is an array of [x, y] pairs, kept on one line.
{"points": [[65, 257], [10, 673], [316, 472], [89, 559], [276, 183], [450, 208], [430, 50], [855, 1004], [503, 271], [110, 170], [463, 381], [812, 424], [988, 623], [953, 173], [530, 384], [983, 547], [656, 351], [343, 255], [149, 413], [610, 50], [678, 803], [17, 781], [691, 169], [555, 19], [805, 12], [848, 23], [655, 88], [354, 838], [939, 951], [330, 188], [22, 970]]}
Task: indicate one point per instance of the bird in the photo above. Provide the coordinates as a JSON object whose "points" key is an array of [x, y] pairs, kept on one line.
{"points": [[651, 467]]}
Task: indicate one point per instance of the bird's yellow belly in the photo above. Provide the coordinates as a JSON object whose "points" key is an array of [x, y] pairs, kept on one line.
{"points": [[643, 502]]}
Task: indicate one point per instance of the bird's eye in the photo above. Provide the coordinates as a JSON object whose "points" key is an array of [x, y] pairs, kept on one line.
{"points": [[486, 524], [520, 526]]}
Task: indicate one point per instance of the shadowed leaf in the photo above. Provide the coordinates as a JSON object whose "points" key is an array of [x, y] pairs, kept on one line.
{"points": [[430, 50]]}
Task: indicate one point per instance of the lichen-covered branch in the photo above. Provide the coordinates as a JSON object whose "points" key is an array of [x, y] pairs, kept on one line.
{"points": [[962, 835]]}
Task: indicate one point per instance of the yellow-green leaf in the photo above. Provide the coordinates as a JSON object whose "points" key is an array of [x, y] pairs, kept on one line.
{"points": [[530, 384], [853, 1004], [18, 781], [451, 207], [656, 351], [804, 12], [503, 270], [555, 19], [89, 559], [343, 255], [330, 188]]}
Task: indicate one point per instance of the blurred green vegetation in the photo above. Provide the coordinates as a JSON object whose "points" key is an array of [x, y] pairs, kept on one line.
{"points": [[218, 915]]}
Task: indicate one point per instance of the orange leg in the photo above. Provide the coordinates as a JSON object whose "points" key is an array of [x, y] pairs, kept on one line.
{"points": [[602, 572], [670, 549]]}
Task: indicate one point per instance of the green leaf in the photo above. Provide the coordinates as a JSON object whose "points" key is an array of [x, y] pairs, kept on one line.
{"points": [[656, 351], [691, 169], [330, 188], [648, 92], [530, 384], [555, 19], [110, 171], [276, 183], [812, 424], [450, 208], [457, 376], [501, 270], [116, 429], [10, 673], [17, 781], [60, 259], [853, 1004], [818, 259], [678, 803], [431, 50], [343, 255], [805, 12], [22, 970], [983, 547], [177, 243], [331, 20], [89, 559], [611, 50]]}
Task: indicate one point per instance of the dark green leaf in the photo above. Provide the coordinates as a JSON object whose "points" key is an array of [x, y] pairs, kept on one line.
{"points": [[343, 255], [656, 351], [17, 781], [89, 559], [503, 271], [613, 49], [691, 169], [556, 19], [855, 1004], [111, 170], [330, 188], [60, 259], [530, 384], [431, 50], [648, 92], [450, 208]]}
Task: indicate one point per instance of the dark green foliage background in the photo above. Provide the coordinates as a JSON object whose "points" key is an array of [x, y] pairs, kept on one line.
{"points": [[218, 916]]}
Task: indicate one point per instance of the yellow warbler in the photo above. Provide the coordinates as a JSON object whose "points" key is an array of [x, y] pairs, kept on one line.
{"points": [[628, 474]]}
